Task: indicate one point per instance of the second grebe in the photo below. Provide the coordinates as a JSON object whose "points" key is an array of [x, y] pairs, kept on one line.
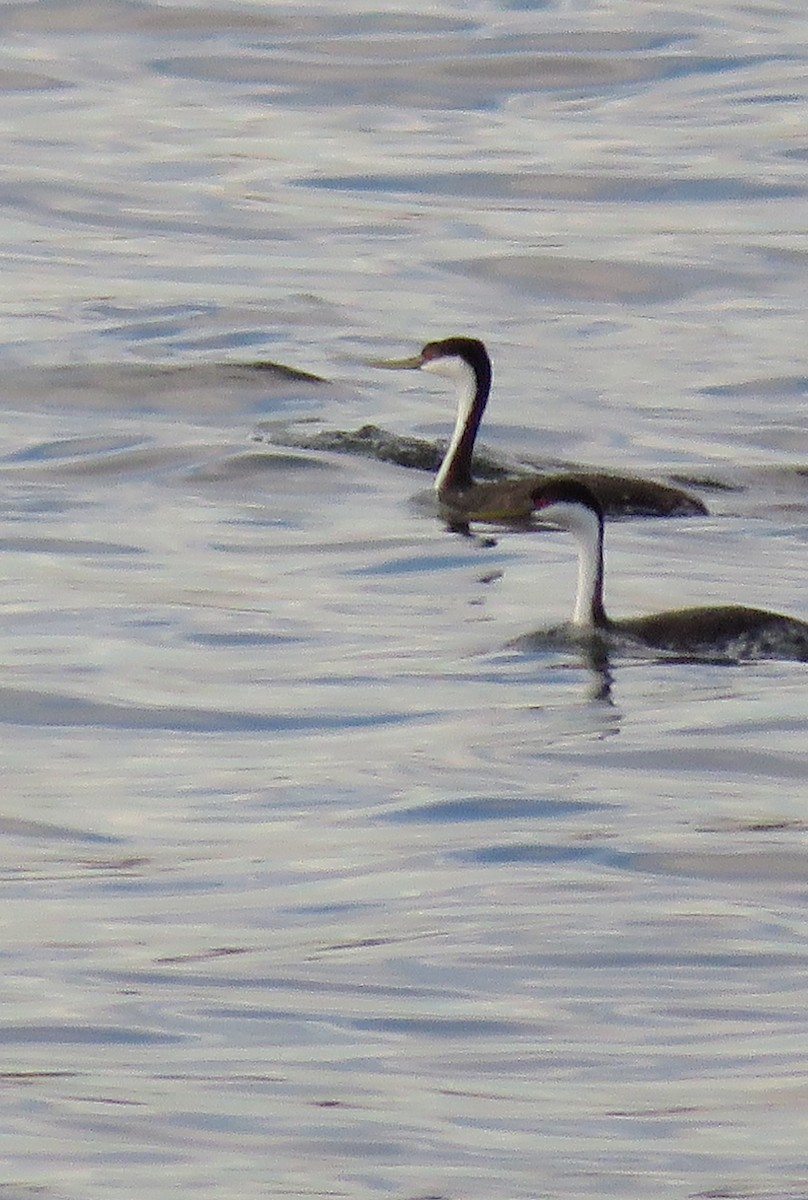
{"points": [[726, 632], [465, 361]]}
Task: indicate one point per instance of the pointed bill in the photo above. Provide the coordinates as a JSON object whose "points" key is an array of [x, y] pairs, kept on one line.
{"points": [[397, 364]]}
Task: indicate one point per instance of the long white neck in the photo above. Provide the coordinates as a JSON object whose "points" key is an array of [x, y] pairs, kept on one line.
{"points": [[456, 466], [588, 531], [587, 528]]}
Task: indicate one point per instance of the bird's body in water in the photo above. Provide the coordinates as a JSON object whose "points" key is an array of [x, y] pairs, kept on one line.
{"points": [[465, 361], [728, 633]]}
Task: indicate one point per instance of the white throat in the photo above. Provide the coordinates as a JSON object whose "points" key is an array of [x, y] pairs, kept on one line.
{"points": [[452, 366], [585, 527]]}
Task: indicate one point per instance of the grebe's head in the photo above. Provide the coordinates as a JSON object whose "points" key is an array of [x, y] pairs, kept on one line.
{"points": [[455, 358], [458, 358], [567, 504]]}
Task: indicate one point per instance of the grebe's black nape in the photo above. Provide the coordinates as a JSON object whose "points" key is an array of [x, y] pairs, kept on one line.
{"points": [[729, 633], [465, 361]]}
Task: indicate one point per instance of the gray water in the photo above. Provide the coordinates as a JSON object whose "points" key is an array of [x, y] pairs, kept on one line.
{"points": [[310, 886]]}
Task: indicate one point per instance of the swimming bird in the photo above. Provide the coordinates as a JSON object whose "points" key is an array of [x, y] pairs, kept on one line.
{"points": [[465, 361], [722, 633]]}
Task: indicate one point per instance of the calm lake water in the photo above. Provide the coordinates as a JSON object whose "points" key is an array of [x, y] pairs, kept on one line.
{"points": [[310, 886]]}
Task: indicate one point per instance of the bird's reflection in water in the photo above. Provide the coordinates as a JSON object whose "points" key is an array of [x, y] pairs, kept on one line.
{"points": [[593, 712], [595, 657]]}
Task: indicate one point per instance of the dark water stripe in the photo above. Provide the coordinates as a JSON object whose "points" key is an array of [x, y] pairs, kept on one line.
{"points": [[19, 707]]}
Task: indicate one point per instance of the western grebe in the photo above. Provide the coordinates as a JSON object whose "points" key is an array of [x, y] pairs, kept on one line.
{"points": [[465, 361], [726, 632]]}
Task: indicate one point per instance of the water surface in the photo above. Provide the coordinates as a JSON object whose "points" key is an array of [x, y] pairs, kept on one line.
{"points": [[310, 885]]}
